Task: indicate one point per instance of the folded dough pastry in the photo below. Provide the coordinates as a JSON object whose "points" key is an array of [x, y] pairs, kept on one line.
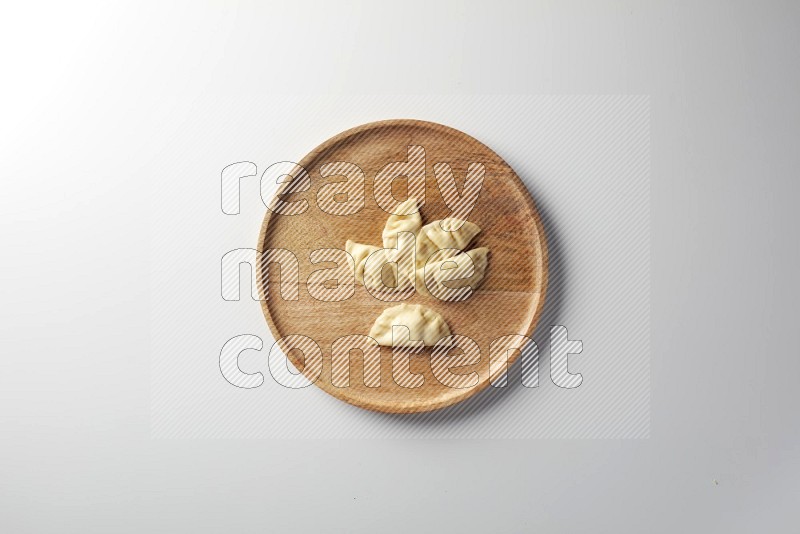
{"points": [[409, 220], [360, 253], [431, 238], [457, 274], [423, 324]]}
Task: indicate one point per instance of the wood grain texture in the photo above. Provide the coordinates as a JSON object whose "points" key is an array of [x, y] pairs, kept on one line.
{"points": [[508, 302]]}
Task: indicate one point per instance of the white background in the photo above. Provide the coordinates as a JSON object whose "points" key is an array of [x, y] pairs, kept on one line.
{"points": [[585, 159], [95, 97]]}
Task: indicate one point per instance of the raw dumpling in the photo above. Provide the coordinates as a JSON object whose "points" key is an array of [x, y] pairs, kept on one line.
{"points": [[360, 254], [480, 259], [388, 276], [431, 238], [423, 324], [409, 221]]}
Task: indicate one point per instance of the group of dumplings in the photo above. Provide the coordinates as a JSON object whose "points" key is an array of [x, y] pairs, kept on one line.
{"points": [[470, 267]]}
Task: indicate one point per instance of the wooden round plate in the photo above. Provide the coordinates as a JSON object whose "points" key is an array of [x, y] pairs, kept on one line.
{"points": [[508, 302]]}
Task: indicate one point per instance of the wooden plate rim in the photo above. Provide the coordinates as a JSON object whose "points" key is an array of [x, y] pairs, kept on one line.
{"points": [[416, 406]]}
